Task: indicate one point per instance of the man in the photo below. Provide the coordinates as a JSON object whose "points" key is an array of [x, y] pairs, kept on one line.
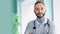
{"points": [[41, 25]]}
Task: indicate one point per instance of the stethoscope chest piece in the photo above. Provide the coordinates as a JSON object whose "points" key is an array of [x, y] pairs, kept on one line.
{"points": [[34, 27]]}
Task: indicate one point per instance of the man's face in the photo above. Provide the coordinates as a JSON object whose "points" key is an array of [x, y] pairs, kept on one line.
{"points": [[39, 10]]}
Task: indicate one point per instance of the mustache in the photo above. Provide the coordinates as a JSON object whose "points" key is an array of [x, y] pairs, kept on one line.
{"points": [[39, 13]]}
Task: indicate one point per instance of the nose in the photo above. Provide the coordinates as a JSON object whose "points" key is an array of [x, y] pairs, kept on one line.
{"points": [[39, 10]]}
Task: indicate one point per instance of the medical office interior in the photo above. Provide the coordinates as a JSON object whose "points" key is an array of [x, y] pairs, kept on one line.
{"points": [[15, 14]]}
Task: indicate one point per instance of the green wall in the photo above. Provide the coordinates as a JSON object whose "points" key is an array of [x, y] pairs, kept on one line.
{"points": [[7, 10]]}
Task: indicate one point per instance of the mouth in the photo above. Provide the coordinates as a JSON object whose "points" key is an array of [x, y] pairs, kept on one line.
{"points": [[40, 15]]}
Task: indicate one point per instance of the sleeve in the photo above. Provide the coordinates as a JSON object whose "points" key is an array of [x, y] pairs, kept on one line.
{"points": [[28, 29], [52, 28]]}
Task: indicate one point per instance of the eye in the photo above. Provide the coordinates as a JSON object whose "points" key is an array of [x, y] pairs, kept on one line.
{"points": [[37, 8], [41, 8]]}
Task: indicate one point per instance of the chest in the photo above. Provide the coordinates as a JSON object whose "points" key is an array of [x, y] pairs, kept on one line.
{"points": [[41, 29]]}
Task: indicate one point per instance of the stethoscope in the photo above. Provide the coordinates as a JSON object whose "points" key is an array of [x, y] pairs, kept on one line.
{"points": [[44, 24]]}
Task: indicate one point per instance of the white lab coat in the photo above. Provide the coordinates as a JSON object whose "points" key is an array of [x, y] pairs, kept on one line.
{"points": [[40, 28]]}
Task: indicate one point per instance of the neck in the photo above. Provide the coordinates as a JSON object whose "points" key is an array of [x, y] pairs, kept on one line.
{"points": [[42, 18]]}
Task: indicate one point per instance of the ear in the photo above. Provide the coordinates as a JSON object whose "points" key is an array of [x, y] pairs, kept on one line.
{"points": [[34, 10], [45, 10]]}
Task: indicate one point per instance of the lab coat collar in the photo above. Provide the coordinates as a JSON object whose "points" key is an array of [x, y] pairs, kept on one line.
{"points": [[44, 20]]}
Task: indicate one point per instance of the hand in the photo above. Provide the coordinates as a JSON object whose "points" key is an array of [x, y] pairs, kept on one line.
{"points": [[30, 32]]}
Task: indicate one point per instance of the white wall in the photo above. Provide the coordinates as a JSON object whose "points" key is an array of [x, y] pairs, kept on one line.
{"points": [[27, 13], [56, 4]]}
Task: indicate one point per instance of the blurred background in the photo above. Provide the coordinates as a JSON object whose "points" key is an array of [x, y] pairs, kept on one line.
{"points": [[9, 17]]}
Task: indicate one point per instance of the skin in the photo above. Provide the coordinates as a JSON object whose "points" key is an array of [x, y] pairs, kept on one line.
{"points": [[39, 10]]}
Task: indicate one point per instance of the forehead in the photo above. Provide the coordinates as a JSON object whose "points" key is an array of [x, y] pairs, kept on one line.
{"points": [[39, 5]]}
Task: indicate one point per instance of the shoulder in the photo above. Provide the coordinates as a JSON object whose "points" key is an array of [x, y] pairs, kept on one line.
{"points": [[30, 23], [52, 28], [51, 23]]}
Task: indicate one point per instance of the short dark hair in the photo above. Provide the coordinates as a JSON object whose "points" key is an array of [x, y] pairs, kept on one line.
{"points": [[39, 2]]}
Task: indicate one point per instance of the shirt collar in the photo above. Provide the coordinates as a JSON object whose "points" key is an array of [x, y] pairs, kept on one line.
{"points": [[43, 20]]}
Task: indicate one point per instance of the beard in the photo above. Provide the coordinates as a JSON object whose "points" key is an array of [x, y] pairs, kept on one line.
{"points": [[40, 15]]}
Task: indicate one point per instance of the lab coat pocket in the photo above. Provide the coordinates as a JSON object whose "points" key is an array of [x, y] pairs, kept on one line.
{"points": [[34, 31]]}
